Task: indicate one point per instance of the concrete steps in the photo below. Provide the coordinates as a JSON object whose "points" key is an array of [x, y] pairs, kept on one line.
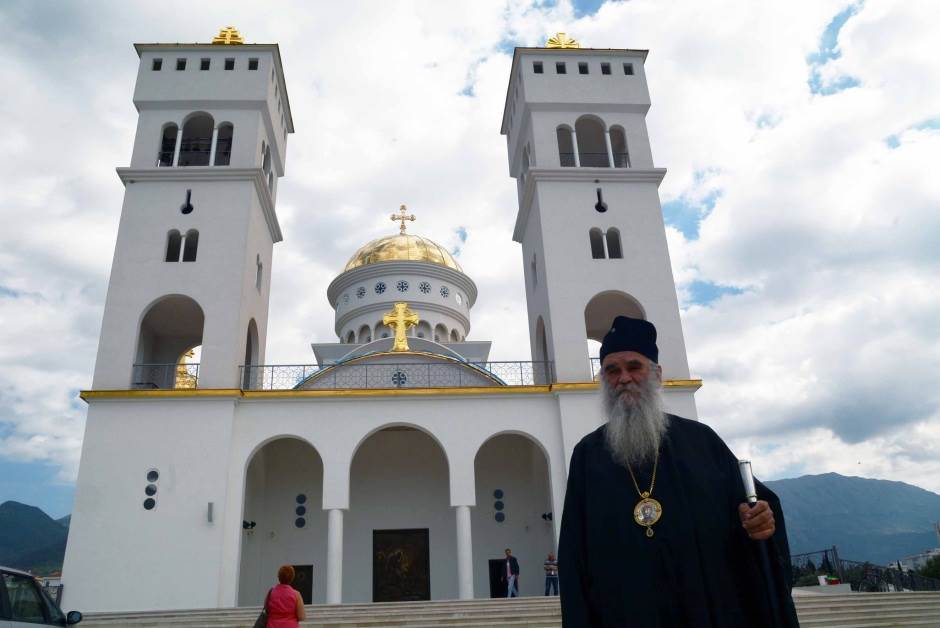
{"points": [[851, 610]]}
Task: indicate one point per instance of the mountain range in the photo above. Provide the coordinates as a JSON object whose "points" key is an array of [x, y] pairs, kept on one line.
{"points": [[878, 521]]}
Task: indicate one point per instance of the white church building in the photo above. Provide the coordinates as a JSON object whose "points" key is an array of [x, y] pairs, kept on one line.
{"points": [[403, 462]]}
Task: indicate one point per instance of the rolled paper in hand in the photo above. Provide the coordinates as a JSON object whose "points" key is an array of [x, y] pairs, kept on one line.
{"points": [[749, 489]]}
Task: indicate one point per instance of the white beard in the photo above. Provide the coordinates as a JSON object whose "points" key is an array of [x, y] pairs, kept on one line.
{"points": [[635, 426]]}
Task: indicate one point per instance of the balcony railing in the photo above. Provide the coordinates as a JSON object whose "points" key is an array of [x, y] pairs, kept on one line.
{"points": [[163, 376], [865, 577], [594, 160], [395, 375]]}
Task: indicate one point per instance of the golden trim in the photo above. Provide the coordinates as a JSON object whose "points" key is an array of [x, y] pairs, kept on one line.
{"points": [[88, 395]]}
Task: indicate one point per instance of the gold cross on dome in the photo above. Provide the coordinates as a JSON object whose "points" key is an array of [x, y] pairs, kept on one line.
{"points": [[400, 319], [228, 35], [561, 40], [403, 218]]}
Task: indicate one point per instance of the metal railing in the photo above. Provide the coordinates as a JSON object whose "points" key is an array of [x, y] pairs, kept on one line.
{"points": [[164, 376], [594, 160], [864, 577], [395, 375]]}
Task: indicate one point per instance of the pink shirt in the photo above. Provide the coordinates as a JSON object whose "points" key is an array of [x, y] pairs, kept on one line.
{"points": [[282, 607]]}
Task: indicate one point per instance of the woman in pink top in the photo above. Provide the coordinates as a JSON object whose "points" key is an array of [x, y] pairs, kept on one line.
{"points": [[284, 604]]}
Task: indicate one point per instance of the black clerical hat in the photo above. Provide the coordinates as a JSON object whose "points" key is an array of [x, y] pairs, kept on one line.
{"points": [[631, 334]]}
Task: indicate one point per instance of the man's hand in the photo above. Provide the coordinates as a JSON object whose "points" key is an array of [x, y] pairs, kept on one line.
{"points": [[758, 521]]}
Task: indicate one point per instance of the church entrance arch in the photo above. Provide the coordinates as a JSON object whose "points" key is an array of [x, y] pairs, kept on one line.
{"points": [[170, 327], [399, 538], [283, 521], [514, 510]]}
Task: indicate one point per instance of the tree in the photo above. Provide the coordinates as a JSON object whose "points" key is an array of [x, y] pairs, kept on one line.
{"points": [[932, 568]]}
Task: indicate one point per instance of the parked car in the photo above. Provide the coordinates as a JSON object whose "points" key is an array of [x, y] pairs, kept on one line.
{"points": [[24, 603]]}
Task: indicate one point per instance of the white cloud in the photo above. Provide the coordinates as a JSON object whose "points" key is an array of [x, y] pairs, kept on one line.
{"points": [[823, 362]]}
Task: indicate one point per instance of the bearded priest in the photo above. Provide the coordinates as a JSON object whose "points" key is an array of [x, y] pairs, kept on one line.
{"points": [[655, 531]]}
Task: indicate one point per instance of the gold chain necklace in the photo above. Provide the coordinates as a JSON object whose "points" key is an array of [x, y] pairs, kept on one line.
{"points": [[647, 511]]}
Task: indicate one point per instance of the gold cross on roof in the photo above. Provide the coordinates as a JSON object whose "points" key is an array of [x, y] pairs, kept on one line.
{"points": [[561, 40], [403, 218], [400, 319], [228, 35]]}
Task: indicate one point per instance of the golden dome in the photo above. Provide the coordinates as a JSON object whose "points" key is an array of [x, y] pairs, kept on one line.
{"points": [[402, 248]]}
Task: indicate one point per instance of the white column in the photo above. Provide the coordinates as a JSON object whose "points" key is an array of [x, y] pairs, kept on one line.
{"points": [[215, 138], [334, 557], [574, 147], [610, 148], [179, 143], [464, 554]]}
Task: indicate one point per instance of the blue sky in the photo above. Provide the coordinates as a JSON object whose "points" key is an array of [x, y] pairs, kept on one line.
{"points": [[800, 201]]}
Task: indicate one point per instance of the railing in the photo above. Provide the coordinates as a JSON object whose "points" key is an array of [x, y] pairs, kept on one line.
{"points": [[395, 375], [621, 160], [864, 577], [567, 160], [195, 151], [162, 376], [595, 368], [594, 160]]}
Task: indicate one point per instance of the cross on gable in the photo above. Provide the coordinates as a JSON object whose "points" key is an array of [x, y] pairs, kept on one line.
{"points": [[400, 319], [403, 218]]}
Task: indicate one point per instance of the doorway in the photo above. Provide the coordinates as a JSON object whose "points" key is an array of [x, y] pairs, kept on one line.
{"points": [[401, 566]]}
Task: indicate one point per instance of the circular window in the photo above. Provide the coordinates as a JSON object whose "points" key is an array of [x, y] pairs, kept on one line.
{"points": [[301, 511], [500, 517], [380, 287], [402, 286], [458, 298], [498, 493], [301, 499], [151, 490], [445, 292], [424, 287], [149, 503], [399, 379], [360, 292], [499, 505], [300, 522], [153, 475]]}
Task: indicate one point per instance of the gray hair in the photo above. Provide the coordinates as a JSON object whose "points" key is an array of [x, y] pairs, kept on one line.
{"points": [[635, 427]]}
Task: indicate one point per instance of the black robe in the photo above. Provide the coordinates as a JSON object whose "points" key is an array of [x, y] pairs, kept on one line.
{"points": [[699, 569]]}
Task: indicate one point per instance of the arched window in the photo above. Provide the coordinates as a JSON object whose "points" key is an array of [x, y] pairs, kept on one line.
{"points": [[169, 329], [592, 146], [174, 242], [223, 144], [613, 244], [197, 140], [190, 245], [251, 375], [454, 335], [565, 147], [266, 159], [167, 146], [424, 330], [525, 163], [618, 144], [440, 333], [351, 337], [365, 334], [597, 243], [271, 182]]}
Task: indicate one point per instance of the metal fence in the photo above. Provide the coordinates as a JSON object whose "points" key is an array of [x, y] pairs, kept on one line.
{"points": [[864, 577], [395, 375], [161, 376]]}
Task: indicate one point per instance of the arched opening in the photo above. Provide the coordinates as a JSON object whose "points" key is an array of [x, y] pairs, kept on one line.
{"points": [[597, 243], [365, 334], [604, 307], [197, 140], [440, 333], [250, 375], [565, 147], [190, 245], [283, 521], [266, 158], [512, 480], [382, 331], [540, 350], [454, 335], [424, 330], [592, 146], [614, 251], [618, 144], [167, 145], [170, 327], [174, 242], [351, 337], [399, 533], [223, 144]]}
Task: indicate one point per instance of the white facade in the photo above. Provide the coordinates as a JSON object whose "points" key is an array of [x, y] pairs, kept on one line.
{"points": [[203, 486]]}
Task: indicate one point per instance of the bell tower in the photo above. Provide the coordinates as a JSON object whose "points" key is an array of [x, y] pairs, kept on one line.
{"points": [[589, 221], [192, 262]]}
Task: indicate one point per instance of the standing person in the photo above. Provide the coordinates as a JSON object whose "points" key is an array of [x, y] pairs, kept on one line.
{"points": [[284, 604], [512, 574], [654, 531], [551, 574]]}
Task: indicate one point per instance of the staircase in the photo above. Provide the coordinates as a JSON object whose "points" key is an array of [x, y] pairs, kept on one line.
{"points": [[850, 610]]}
